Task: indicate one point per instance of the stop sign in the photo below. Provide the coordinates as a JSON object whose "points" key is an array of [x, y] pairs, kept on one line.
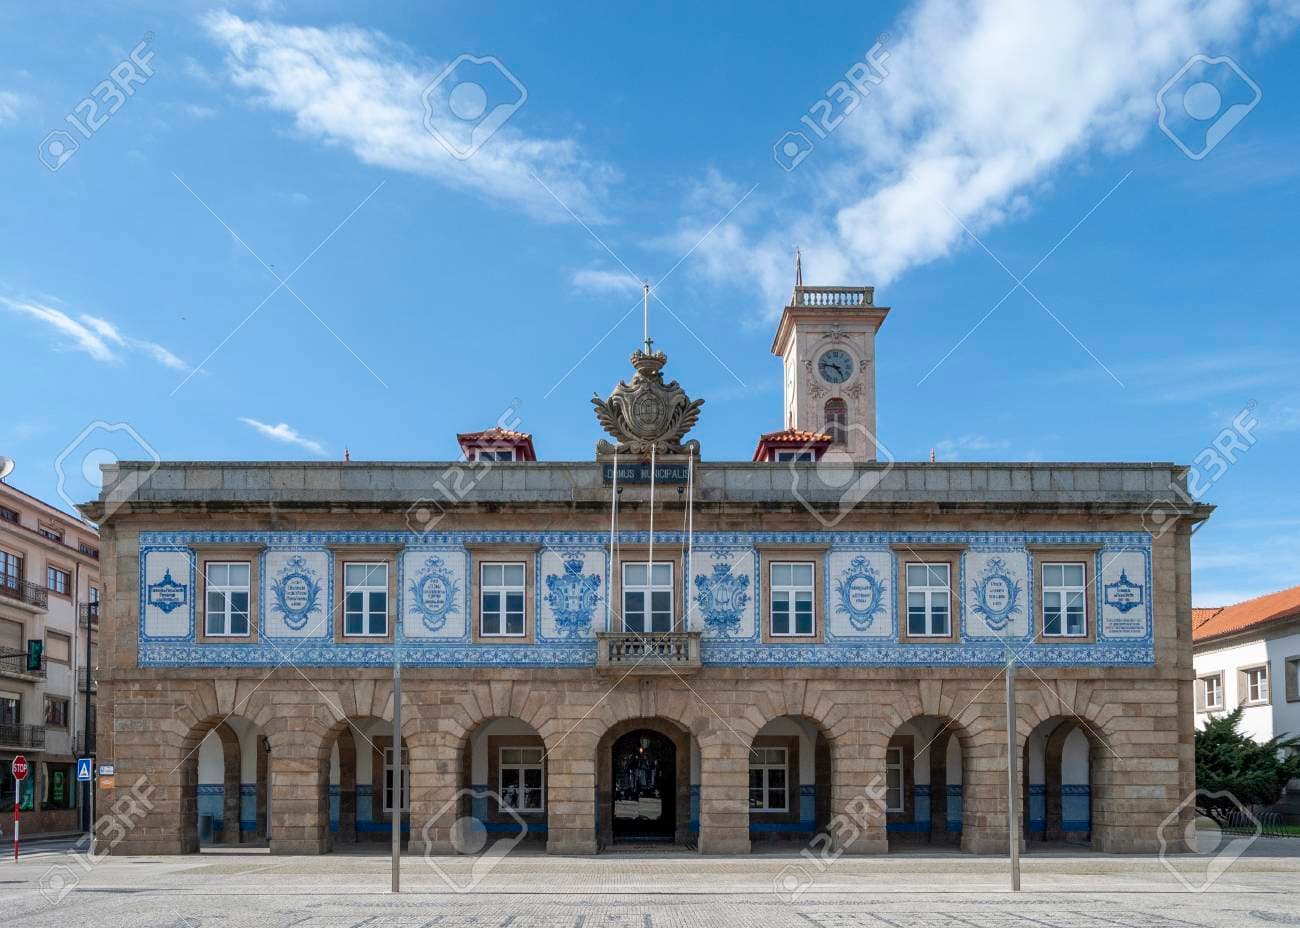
{"points": [[19, 767]]}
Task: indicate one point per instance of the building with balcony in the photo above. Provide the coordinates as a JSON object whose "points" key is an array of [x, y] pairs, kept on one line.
{"points": [[49, 601], [654, 646]]}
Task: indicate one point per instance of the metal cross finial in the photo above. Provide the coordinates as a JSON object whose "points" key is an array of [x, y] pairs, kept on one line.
{"points": [[645, 315], [798, 268]]}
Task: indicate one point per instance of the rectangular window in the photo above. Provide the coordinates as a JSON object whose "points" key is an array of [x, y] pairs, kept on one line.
{"points": [[227, 598], [11, 711], [1292, 670], [88, 550], [1256, 685], [1065, 601], [92, 594], [893, 779], [8, 515], [494, 454], [792, 455], [56, 712], [520, 779], [501, 600], [53, 534], [928, 601], [365, 599], [648, 597], [404, 789], [56, 581], [792, 599], [11, 570], [58, 792], [58, 647], [768, 780], [1212, 692]]}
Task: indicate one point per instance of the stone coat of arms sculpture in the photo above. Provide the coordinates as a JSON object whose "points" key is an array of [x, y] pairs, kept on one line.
{"points": [[647, 414]]}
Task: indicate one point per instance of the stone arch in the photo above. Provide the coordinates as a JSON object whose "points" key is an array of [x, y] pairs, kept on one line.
{"points": [[685, 800], [927, 772], [1061, 757], [220, 800], [503, 779], [352, 777], [797, 749]]}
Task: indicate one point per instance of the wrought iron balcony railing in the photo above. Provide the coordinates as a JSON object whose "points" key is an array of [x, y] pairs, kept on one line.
{"points": [[14, 663], [648, 653], [31, 737], [90, 614], [832, 296], [16, 587]]}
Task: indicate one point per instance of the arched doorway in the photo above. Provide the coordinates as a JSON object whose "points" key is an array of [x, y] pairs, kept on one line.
{"points": [[924, 777], [367, 782], [1057, 782], [644, 787], [504, 780], [224, 772], [645, 771]]}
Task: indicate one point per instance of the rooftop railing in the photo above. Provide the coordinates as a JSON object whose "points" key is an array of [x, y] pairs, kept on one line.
{"points": [[832, 296]]}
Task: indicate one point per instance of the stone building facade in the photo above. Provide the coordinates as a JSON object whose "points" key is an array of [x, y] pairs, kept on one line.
{"points": [[723, 655]]}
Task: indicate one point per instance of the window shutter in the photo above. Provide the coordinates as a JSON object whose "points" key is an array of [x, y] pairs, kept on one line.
{"points": [[1199, 687], [1292, 679], [1242, 690], [1267, 688]]}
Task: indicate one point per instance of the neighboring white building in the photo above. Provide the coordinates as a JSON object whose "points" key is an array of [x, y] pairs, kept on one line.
{"points": [[1248, 655]]}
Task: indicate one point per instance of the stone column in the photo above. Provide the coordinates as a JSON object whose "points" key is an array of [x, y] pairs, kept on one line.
{"points": [[570, 795], [299, 793], [437, 800], [724, 794], [347, 747], [857, 824], [984, 792]]}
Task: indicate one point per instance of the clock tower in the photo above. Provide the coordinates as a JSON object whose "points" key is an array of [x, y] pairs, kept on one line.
{"points": [[826, 341]]}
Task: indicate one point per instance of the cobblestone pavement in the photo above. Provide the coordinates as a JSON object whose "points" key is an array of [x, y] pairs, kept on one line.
{"points": [[51, 887]]}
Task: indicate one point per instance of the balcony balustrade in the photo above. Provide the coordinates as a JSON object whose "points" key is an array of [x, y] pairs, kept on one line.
{"points": [[28, 737], [14, 587], [649, 653]]}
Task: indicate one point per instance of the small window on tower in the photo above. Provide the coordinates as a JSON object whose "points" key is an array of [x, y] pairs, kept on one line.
{"points": [[837, 419]]}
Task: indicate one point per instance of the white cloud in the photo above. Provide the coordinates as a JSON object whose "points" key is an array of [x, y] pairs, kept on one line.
{"points": [[953, 449], [983, 103], [286, 434], [605, 281], [10, 104], [361, 90], [97, 337]]}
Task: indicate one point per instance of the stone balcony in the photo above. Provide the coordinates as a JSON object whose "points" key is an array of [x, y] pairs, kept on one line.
{"points": [[648, 653]]}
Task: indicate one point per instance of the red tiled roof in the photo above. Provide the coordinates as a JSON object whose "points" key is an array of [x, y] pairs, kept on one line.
{"points": [[1271, 607], [496, 433], [790, 438]]}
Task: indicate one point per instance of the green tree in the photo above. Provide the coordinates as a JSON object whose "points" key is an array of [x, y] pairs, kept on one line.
{"points": [[1255, 772]]}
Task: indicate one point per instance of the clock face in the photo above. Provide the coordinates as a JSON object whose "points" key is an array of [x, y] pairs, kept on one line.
{"points": [[835, 366]]}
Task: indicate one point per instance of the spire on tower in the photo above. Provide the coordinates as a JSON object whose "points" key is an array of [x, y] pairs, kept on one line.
{"points": [[798, 268], [645, 314]]}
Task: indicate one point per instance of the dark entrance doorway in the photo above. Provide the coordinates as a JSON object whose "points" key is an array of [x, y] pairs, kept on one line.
{"points": [[644, 793]]}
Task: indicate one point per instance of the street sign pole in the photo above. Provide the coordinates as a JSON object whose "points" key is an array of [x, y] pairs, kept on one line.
{"points": [[1013, 776], [18, 767]]}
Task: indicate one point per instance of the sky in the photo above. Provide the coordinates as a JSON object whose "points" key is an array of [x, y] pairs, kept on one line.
{"points": [[279, 230]]}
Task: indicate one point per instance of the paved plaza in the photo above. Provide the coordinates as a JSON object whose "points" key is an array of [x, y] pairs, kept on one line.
{"points": [[650, 889]]}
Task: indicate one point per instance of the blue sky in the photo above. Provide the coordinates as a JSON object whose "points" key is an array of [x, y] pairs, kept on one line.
{"points": [[139, 281]]}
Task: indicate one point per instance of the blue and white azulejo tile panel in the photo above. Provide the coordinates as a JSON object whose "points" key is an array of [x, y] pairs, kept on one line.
{"points": [[722, 602], [860, 594], [297, 594], [721, 597], [996, 603], [1125, 594], [433, 594], [571, 593], [167, 594]]}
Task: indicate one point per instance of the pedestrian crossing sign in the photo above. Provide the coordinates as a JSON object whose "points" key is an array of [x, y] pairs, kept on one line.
{"points": [[83, 769]]}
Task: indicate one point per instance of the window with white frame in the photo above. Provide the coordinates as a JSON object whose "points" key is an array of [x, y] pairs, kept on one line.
{"points": [[1065, 601], [501, 600], [521, 780], [929, 600], [768, 780], [893, 779], [494, 454], [404, 789], [648, 597], [226, 598], [1212, 692], [1255, 685], [365, 599], [795, 455], [792, 611]]}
